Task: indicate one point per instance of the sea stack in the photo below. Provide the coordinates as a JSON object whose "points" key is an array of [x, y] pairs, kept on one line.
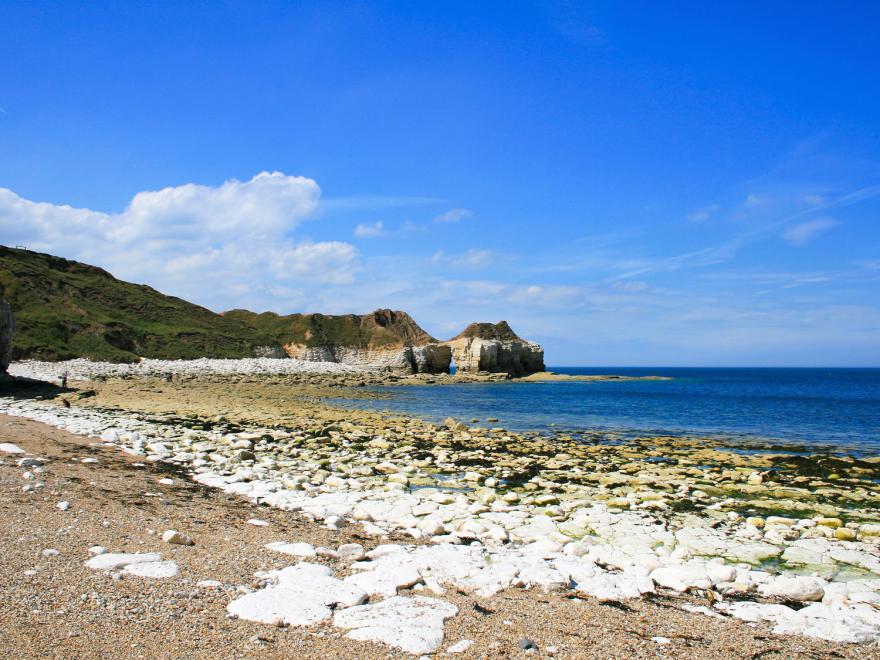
{"points": [[495, 348]]}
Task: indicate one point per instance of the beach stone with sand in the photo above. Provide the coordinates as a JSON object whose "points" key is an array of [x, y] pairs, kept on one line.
{"points": [[414, 625], [301, 595]]}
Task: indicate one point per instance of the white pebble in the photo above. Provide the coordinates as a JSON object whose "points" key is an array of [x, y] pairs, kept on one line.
{"points": [[460, 647], [177, 538]]}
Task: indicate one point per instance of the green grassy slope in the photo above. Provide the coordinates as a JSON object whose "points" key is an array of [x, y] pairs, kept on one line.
{"points": [[65, 309]]}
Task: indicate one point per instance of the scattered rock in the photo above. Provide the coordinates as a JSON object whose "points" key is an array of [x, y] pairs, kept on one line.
{"points": [[350, 552], [177, 538], [294, 549], [152, 569], [460, 647], [112, 561]]}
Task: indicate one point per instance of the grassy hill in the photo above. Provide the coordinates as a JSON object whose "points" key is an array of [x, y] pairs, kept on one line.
{"points": [[65, 309]]}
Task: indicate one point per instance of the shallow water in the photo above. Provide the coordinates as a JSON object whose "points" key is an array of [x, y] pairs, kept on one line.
{"points": [[832, 408]]}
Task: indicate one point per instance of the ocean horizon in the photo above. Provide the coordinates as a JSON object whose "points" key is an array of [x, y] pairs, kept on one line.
{"points": [[835, 409]]}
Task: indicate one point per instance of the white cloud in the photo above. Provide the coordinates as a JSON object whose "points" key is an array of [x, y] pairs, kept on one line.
{"points": [[373, 230], [813, 199], [803, 233], [472, 259], [379, 230], [702, 214], [629, 286], [226, 245], [454, 215], [754, 201]]}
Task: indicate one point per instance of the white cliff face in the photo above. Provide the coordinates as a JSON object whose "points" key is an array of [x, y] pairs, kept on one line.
{"points": [[431, 358], [7, 328], [516, 357]]}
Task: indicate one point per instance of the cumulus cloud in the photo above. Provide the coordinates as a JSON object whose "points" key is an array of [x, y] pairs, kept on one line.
{"points": [[223, 245], [805, 232], [454, 215]]}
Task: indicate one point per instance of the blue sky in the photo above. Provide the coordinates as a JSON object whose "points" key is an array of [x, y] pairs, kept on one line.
{"points": [[629, 185]]}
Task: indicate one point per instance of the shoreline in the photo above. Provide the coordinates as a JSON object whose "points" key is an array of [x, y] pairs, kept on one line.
{"points": [[724, 522], [56, 607]]}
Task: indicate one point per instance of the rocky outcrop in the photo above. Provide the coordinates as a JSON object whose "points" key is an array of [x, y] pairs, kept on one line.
{"points": [[272, 351], [430, 358], [495, 348], [7, 328], [384, 339]]}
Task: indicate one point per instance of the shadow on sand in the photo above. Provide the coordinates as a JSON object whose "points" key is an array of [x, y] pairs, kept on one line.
{"points": [[28, 388]]}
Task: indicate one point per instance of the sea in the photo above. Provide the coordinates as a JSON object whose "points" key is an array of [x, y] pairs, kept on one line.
{"points": [[835, 410]]}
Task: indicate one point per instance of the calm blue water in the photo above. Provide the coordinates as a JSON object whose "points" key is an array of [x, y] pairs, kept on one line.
{"points": [[838, 408]]}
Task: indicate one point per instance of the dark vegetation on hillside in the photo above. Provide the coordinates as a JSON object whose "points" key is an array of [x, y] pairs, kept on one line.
{"points": [[65, 309], [382, 328], [500, 331]]}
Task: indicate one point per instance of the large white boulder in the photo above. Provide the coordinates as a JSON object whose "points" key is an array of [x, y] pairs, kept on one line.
{"points": [[798, 587], [414, 625]]}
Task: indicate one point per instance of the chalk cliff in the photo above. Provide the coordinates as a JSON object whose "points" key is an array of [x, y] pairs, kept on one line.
{"points": [[383, 339], [495, 348]]}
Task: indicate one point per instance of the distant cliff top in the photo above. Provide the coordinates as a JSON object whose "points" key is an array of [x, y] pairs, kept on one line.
{"points": [[383, 328], [500, 331]]}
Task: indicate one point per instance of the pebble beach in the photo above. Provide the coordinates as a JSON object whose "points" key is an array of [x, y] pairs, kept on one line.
{"points": [[353, 533]]}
